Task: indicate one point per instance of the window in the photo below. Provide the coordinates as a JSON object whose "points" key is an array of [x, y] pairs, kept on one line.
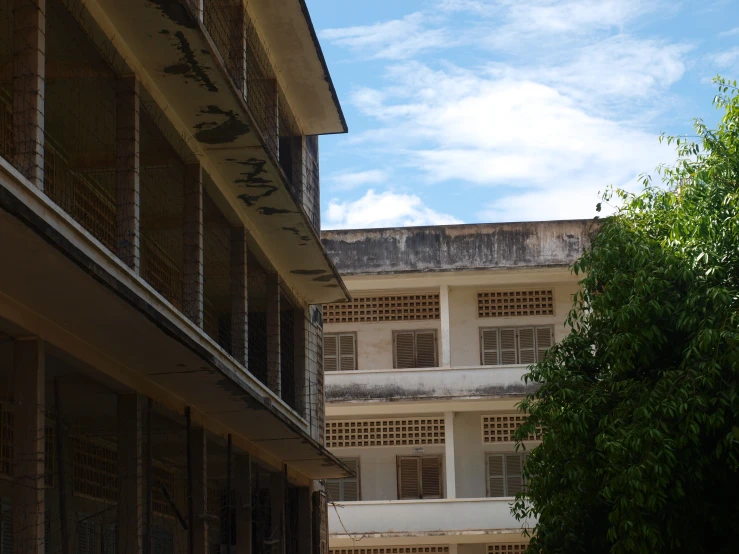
{"points": [[504, 474], [413, 349], [514, 345], [339, 352], [419, 477], [347, 489]]}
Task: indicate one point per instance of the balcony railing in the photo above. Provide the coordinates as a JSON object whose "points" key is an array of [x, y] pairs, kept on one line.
{"points": [[455, 382], [420, 517]]}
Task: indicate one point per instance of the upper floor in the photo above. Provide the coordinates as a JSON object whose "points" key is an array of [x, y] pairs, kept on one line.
{"points": [[447, 312]]}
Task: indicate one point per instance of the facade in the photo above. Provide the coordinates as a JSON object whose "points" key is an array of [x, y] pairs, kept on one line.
{"points": [[423, 372], [161, 381]]}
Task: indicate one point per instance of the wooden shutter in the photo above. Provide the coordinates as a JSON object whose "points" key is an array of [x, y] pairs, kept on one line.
{"points": [[496, 475], [514, 481], [489, 347], [333, 490], [347, 352], [109, 538], [409, 477], [526, 346], [350, 485], [6, 529], [431, 477], [404, 350], [544, 341], [426, 349], [162, 541], [330, 353], [85, 534], [507, 347]]}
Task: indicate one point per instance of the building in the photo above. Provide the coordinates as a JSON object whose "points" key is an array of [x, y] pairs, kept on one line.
{"points": [[160, 358], [424, 371]]}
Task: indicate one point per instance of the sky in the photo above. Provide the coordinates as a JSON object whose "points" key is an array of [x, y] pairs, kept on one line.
{"points": [[469, 111]]}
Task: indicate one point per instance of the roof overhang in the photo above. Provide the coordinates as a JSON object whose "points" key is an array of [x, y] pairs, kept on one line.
{"points": [[295, 50]]}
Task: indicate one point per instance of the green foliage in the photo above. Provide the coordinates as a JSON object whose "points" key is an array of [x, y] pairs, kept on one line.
{"points": [[639, 403]]}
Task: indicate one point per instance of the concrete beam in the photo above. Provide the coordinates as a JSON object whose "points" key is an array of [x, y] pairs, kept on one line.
{"points": [[130, 506], [193, 292], [29, 446], [29, 91], [128, 184]]}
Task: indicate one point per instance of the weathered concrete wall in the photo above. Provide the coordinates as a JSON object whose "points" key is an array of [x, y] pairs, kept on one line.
{"points": [[457, 247]]}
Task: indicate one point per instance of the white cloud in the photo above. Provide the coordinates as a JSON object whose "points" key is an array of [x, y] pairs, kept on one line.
{"points": [[727, 59], [730, 32], [394, 39], [386, 209], [347, 180]]}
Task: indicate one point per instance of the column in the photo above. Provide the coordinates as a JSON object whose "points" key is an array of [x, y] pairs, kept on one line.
{"points": [[449, 473], [243, 504], [239, 299], [198, 444], [29, 446], [130, 475], [192, 237], [446, 347], [277, 500], [305, 522], [299, 349], [274, 377], [127, 164], [453, 549], [29, 75]]}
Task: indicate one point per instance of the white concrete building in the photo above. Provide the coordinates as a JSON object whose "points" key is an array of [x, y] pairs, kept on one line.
{"points": [[423, 372]]}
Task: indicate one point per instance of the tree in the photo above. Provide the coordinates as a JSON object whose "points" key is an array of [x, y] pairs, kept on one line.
{"points": [[639, 404]]}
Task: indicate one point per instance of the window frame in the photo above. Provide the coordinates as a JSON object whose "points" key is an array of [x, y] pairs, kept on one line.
{"points": [[503, 454], [516, 329], [442, 483], [415, 332], [341, 480], [338, 335]]}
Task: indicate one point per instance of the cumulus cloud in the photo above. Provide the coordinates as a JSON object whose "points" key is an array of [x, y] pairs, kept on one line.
{"points": [[347, 180], [385, 209]]}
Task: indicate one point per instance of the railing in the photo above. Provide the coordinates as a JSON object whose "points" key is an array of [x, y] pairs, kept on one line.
{"points": [[418, 517], [455, 382]]}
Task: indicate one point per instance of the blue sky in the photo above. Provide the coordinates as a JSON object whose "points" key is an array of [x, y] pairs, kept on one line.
{"points": [[464, 111]]}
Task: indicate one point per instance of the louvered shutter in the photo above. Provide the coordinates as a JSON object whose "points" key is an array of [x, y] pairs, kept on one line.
{"points": [[162, 541], [431, 477], [496, 475], [404, 346], [426, 349], [514, 481], [350, 485], [85, 535], [408, 478], [6, 529], [347, 353], [109, 538], [507, 347], [333, 490], [526, 346], [544, 341], [330, 353], [489, 346]]}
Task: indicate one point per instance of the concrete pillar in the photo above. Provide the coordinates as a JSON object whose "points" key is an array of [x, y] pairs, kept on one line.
{"points": [[449, 472], [453, 549], [446, 346], [199, 461], [127, 164], [29, 75], [193, 244], [274, 376], [302, 401], [239, 299], [243, 504], [277, 509], [305, 521], [130, 506], [29, 446]]}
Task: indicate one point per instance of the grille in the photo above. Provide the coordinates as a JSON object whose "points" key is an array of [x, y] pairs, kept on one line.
{"points": [[514, 303], [500, 428], [372, 309], [384, 432]]}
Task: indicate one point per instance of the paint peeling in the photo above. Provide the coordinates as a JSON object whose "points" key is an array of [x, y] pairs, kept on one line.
{"points": [[175, 11], [188, 66], [223, 132], [266, 210]]}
